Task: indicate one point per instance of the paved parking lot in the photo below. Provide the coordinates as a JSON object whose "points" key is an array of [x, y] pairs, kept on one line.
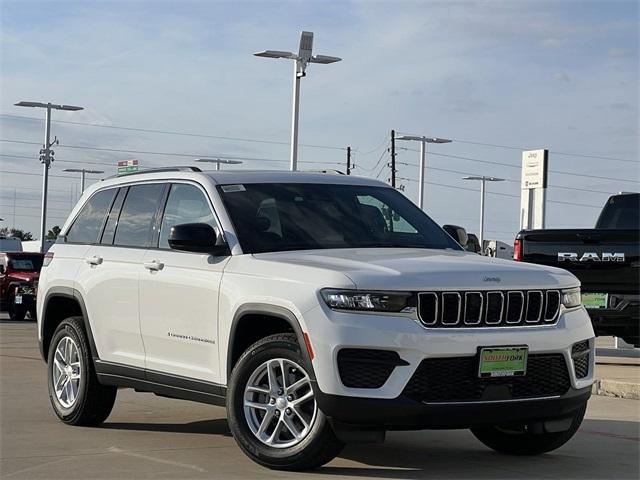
{"points": [[152, 437]]}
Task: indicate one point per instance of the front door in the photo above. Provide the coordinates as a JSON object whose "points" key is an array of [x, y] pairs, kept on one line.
{"points": [[179, 295]]}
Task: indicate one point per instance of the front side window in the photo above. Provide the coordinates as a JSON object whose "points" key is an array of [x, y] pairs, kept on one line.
{"points": [[136, 222], [88, 224], [186, 204], [287, 216]]}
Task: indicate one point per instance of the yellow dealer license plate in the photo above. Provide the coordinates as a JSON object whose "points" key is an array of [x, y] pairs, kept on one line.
{"points": [[503, 361]]}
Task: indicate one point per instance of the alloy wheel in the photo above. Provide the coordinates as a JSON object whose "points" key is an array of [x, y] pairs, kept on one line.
{"points": [[279, 406], [66, 372]]}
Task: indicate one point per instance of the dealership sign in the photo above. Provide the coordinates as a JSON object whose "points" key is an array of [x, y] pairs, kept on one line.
{"points": [[534, 169], [127, 166]]}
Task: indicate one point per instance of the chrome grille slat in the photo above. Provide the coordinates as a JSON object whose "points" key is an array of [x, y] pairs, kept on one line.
{"points": [[534, 296], [488, 308], [446, 314]]}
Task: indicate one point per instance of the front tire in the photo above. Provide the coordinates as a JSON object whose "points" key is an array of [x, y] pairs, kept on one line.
{"points": [[75, 393], [518, 440], [271, 410]]}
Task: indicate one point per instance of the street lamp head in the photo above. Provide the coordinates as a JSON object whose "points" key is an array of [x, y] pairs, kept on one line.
{"points": [[30, 104], [418, 138], [482, 177], [275, 54], [82, 170], [71, 108], [219, 161], [324, 59]]}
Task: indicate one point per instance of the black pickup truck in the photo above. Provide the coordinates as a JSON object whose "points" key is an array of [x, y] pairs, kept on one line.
{"points": [[606, 259]]}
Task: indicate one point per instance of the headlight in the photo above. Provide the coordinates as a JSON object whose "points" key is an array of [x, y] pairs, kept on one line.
{"points": [[571, 298], [368, 301]]}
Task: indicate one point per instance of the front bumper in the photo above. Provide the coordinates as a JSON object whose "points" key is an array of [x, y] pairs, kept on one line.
{"points": [[405, 414], [332, 331]]}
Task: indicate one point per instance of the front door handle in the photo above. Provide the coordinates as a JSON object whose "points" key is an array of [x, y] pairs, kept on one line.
{"points": [[95, 260], [154, 265]]}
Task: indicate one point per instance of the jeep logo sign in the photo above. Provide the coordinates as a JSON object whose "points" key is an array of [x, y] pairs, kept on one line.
{"points": [[591, 257]]}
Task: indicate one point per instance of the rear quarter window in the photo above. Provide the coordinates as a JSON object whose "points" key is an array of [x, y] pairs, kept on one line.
{"points": [[88, 224]]}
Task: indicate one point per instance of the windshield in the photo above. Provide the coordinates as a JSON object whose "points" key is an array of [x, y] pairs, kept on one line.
{"points": [[294, 216], [27, 264], [621, 212]]}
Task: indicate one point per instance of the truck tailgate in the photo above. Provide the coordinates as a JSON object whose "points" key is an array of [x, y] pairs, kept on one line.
{"points": [[544, 246]]}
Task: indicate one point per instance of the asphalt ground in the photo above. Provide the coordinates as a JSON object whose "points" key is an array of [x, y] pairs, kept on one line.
{"points": [[148, 437]]}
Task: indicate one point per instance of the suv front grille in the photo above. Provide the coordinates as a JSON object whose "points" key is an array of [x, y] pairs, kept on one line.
{"points": [[456, 380], [488, 308]]}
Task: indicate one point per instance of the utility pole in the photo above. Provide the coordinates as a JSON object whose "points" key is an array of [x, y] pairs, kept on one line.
{"points": [[46, 157], [393, 158], [13, 223], [348, 160]]}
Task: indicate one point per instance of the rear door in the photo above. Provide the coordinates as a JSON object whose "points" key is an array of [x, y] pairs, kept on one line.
{"points": [[179, 295], [111, 272]]}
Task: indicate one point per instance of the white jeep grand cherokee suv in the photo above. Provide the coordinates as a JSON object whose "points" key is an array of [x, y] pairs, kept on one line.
{"points": [[320, 309]]}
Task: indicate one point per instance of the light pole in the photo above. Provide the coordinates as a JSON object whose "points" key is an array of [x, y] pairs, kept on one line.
{"points": [[83, 171], [423, 154], [219, 161], [483, 179], [301, 60], [46, 157]]}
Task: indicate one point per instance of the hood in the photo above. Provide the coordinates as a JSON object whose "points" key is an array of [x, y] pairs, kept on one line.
{"points": [[25, 276], [425, 269]]}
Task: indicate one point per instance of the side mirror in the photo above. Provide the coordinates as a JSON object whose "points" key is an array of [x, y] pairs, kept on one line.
{"points": [[197, 237], [459, 234]]}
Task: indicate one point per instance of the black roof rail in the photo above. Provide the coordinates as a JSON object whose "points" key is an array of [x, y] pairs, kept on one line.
{"points": [[159, 170]]}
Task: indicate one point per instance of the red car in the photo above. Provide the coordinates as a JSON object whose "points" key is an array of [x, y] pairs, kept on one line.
{"points": [[19, 273]]}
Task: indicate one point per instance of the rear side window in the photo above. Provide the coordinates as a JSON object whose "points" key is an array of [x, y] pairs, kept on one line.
{"points": [[137, 219], [87, 226], [112, 219], [622, 212]]}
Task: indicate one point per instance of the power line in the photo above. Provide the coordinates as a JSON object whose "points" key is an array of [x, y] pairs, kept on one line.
{"points": [[555, 152], [511, 180], [169, 154], [169, 132], [503, 194], [518, 167]]}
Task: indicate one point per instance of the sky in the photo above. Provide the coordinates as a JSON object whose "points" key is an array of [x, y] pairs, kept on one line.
{"points": [[496, 77]]}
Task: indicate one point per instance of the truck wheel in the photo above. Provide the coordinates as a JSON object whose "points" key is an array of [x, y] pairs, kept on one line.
{"points": [[75, 393], [519, 441], [271, 409], [16, 312]]}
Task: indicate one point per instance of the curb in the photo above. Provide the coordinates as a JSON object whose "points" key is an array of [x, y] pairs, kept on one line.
{"points": [[614, 388]]}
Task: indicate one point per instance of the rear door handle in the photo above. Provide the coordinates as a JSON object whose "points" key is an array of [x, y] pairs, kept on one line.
{"points": [[95, 260], [154, 266]]}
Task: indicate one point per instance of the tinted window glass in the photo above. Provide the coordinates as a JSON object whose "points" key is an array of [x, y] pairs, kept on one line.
{"points": [[87, 226], [276, 217], [26, 263], [186, 204], [135, 226], [112, 218], [621, 212]]}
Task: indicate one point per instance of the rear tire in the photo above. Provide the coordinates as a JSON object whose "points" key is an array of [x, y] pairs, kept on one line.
{"points": [[75, 393], [519, 441], [280, 403]]}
